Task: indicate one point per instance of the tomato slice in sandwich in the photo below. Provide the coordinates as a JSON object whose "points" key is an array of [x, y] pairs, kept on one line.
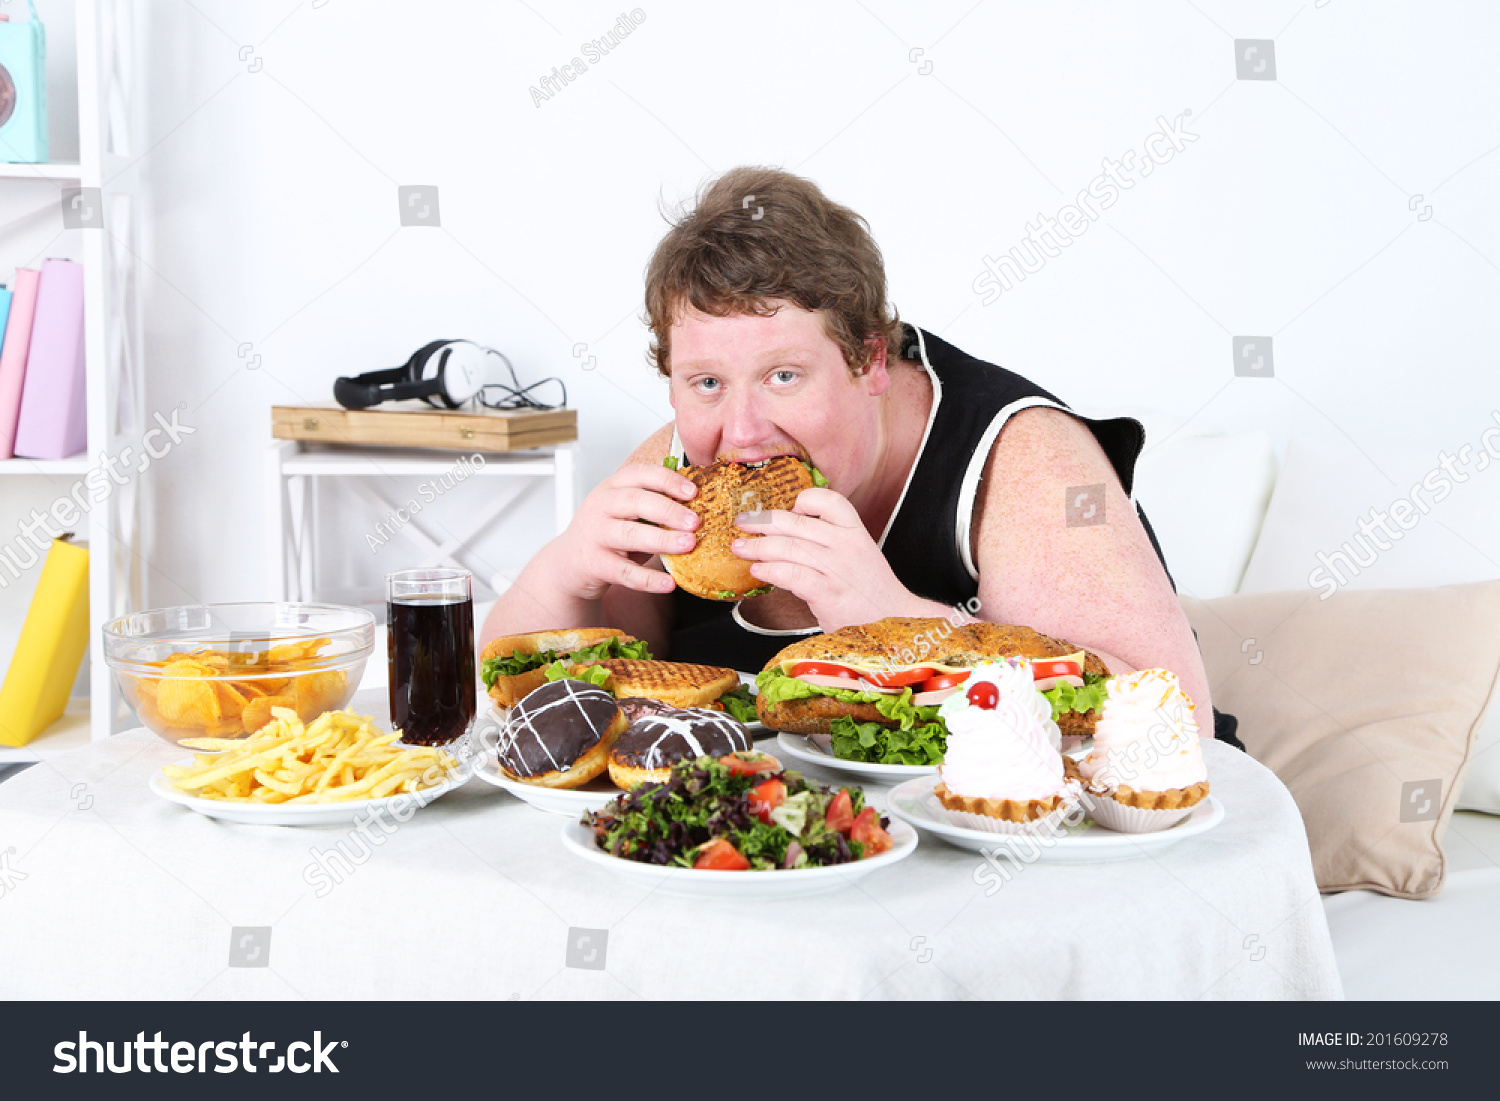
{"points": [[1041, 670], [899, 679], [823, 669], [944, 680]]}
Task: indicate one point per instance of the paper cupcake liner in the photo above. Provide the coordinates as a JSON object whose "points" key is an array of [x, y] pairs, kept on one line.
{"points": [[1114, 815]]}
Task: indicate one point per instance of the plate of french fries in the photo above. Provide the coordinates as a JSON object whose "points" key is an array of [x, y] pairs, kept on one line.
{"points": [[328, 772]]}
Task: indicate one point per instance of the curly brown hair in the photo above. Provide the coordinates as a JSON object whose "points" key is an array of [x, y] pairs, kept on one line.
{"points": [[759, 235]]}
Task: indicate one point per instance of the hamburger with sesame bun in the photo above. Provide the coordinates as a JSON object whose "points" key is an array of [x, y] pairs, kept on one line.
{"points": [[725, 490]]}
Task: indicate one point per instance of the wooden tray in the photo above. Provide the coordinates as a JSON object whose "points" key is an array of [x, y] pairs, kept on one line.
{"points": [[417, 424]]}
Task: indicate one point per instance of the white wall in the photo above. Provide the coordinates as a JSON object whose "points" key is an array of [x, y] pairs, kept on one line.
{"points": [[271, 198]]}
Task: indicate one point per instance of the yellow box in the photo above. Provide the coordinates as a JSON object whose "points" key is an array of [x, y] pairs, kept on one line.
{"points": [[53, 641]]}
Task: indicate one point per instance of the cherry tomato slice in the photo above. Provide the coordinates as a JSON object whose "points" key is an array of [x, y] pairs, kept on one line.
{"points": [[823, 669], [840, 816], [765, 797], [751, 765], [868, 831], [720, 855], [944, 680]]}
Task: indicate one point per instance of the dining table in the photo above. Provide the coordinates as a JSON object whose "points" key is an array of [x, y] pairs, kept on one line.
{"points": [[109, 891]]}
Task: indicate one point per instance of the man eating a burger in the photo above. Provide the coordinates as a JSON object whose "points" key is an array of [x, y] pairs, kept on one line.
{"points": [[937, 484]]}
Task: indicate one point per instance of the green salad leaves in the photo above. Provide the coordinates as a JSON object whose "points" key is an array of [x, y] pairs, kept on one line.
{"points": [[513, 665], [666, 823], [1066, 698], [918, 738], [596, 675], [739, 704]]}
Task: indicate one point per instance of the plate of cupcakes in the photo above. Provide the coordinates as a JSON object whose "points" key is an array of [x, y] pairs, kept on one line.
{"points": [[1005, 788]]}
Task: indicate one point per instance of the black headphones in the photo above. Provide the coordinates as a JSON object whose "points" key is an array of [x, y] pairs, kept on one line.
{"points": [[447, 373]]}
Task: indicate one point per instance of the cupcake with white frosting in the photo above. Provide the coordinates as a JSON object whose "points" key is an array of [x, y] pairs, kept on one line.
{"points": [[1145, 771], [1002, 771]]}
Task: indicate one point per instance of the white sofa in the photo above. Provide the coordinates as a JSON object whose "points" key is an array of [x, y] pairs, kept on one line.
{"points": [[1228, 522]]}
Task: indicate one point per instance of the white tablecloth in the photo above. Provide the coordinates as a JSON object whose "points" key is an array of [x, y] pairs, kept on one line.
{"points": [[111, 892]]}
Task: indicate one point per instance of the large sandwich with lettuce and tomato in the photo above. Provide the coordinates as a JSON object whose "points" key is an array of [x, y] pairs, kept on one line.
{"points": [[513, 665], [871, 692]]}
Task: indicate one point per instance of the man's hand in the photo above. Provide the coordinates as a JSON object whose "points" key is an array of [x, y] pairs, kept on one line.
{"points": [[821, 552], [611, 536]]}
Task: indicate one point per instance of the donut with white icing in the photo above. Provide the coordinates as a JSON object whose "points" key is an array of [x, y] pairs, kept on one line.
{"points": [[646, 752], [560, 735]]}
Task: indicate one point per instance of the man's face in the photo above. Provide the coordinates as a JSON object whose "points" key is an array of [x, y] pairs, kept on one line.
{"points": [[747, 387]]}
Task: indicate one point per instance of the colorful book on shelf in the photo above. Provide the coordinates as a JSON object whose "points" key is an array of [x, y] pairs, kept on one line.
{"points": [[53, 640], [5, 297], [13, 355], [52, 423]]}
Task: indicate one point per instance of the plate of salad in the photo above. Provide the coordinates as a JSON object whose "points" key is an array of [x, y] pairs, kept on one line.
{"points": [[740, 826]]}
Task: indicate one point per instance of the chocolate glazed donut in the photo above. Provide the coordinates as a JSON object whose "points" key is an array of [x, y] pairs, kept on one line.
{"points": [[560, 735], [654, 743]]}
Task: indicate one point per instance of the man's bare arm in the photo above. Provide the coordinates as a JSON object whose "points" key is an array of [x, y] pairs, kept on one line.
{"points": [[582, 577], [1098, 585]]}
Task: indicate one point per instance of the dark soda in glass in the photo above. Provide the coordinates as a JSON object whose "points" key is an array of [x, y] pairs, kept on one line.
{"points": [[430, 640]]}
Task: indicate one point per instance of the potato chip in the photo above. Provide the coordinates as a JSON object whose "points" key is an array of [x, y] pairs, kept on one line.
{"points": [[231, 691], [231, 702], [295, 651], [315, 693], [188, 703], [257, 712]]}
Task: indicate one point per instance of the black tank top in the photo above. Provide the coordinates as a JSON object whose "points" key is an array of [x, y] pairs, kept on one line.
{"points": [[927, 539]]}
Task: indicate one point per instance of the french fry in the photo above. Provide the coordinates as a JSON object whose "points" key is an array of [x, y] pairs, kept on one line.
{"points": [[338, 756]]}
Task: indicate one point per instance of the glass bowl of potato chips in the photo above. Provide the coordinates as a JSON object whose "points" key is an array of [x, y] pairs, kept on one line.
{"points": [[217, 670]]}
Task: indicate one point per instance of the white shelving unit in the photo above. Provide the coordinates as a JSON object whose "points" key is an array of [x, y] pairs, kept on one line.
{"points": [[294, 469], [65, 172], [112, 349]]}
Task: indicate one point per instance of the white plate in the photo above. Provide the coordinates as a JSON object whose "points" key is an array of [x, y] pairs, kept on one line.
{"points": [[805, 749], [578, 838], [592, 796], [915, 802], [297, 814]]}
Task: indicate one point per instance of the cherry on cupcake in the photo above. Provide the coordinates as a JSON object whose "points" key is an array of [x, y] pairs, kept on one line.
{"points": [[983, 695]]}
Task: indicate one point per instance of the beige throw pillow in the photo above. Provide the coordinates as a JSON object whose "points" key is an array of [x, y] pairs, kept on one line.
{"points": [[1365, 705]]}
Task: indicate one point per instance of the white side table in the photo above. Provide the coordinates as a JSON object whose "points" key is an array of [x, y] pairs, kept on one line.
{"points": [[296, 529]]}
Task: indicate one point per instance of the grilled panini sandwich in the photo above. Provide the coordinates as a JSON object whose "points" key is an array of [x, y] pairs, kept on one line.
{"points": [[678, 683]]}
